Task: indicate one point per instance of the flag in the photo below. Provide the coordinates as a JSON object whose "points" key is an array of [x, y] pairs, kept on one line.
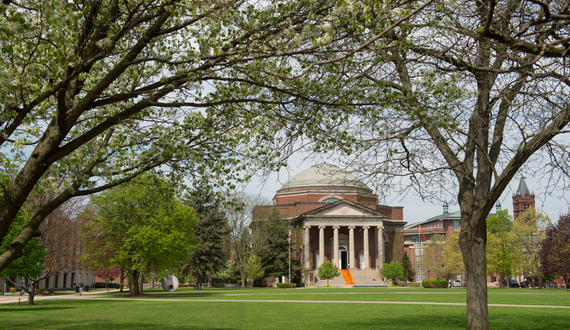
{"points": [[289, 238], [422, 233]]}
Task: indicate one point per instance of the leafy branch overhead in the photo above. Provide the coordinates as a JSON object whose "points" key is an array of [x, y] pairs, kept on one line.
{"points": [[94, 93]]}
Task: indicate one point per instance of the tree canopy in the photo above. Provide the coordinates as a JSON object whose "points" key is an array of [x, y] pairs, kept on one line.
{"points": [[208, 256], [143, 226], [31, 263], [409, 272], [393, 271], [273, 248], [555, 252], [434, 256], [452, 255], [501, 246], [328, 271], [529, 230], [254, 268], [94, 93]]}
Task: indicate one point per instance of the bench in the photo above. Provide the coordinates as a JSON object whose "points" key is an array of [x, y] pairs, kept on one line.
{"points": [[231, 285]]}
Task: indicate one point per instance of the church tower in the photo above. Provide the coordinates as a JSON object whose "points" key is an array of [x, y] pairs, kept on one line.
{"points": [[522, 199]]}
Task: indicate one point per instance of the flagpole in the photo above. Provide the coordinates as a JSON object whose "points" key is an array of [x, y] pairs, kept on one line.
{"points": [[420, 254]]}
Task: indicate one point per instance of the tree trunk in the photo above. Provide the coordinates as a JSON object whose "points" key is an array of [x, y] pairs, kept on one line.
{"points": [[133, 283], [243, 282], [141, 282], [31, 294], [475, 272], [122, 278], [198, 282]]}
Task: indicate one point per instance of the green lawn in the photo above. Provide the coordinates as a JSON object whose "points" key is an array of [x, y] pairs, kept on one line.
{"points": [[513, 296], [194, 312]]}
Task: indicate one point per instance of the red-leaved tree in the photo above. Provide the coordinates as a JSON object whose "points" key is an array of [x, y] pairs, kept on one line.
{"points": [[108, 274], [555, 252]]}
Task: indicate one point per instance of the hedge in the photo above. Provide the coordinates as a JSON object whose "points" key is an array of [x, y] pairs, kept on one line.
{"points": [[286, 285], [435, 284], [100, 285]]}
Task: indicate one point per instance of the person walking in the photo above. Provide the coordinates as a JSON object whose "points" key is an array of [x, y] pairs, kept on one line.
{"points": [[80, 288], [449, 283]]}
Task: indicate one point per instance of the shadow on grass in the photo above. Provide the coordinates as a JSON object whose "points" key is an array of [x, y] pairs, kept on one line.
{"points": [[406, 322], [164, 295], [33, 308], [115, 325], [528, 318]]}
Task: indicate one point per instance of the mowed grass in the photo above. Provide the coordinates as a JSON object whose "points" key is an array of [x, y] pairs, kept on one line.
{"points": [[556, 297], [188, 309]]}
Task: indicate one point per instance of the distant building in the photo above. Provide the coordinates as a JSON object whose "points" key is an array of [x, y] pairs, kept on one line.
{"points": [[341, 221], [522, 199], [445, 224]]}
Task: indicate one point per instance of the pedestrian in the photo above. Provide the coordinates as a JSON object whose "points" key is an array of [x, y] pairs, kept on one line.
{"points": [[449, 282], [80, 288]]}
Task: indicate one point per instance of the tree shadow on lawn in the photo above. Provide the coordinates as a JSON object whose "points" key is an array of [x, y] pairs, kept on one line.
{"points": [[168, 295], [33, 308], [111, 324], [528, 318], [408, 322]]}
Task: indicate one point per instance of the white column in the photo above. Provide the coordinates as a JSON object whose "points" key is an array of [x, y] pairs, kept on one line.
{"points": [[380, 247], [366, 248], [321, 245], [307, 247], [351, 246], [335, 247]]}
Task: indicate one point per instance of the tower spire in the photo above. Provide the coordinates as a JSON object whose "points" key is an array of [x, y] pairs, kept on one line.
{"points": [[522, 198]]}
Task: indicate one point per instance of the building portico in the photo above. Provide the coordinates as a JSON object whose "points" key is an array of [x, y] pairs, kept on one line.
{"points": [[326, 236]]}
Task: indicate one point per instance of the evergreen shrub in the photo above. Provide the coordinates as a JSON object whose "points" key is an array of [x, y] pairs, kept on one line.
{"points": [[286, 285], [435, 284]]}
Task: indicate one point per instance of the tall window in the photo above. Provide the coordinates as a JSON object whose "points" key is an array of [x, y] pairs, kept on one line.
{"points": [[456, 225]]}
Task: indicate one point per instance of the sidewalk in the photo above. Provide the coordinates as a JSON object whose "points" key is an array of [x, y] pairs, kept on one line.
{"points": [[24, 299]]}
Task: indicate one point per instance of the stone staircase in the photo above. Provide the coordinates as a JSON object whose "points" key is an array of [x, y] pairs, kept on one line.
{"points": [[367, 277], [347, 277], [364, 277]]}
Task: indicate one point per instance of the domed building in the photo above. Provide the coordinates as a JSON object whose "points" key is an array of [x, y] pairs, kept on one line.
{"points": [[342, 222]]}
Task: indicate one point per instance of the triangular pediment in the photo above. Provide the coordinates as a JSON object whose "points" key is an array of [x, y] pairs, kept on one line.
{"points": [[344, 208]]}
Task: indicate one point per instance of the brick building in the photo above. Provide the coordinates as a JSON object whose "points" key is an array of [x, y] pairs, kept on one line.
{"points": [[522, 199], [339, 220]]}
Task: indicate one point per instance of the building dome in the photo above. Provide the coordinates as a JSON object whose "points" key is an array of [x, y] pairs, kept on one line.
{"points": [[324, 175], [320, 185]]}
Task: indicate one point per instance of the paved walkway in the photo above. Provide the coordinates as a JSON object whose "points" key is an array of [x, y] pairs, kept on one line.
{"points": [[9, 299], [89, 295]]}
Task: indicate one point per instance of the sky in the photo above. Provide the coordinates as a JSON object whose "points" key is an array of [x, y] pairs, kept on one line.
{"points": [[415, 209]]}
